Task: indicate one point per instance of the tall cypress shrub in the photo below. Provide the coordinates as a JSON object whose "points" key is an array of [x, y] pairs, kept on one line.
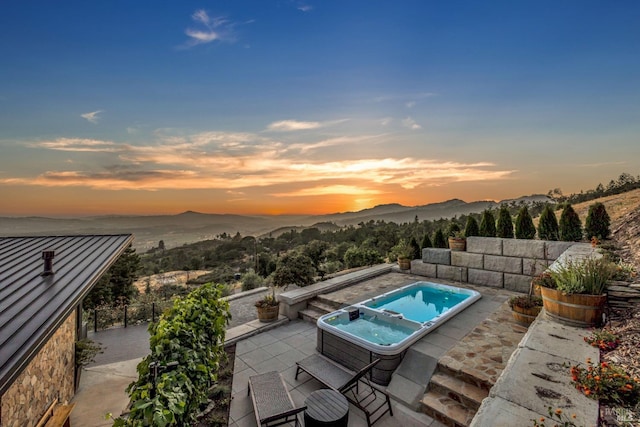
{"points": [[487, 224], [426, 241], [504, 227], [438, 239], [415, 248], [597, 222], [570, 226], [548, 224], [471, 228], [524, 225]]}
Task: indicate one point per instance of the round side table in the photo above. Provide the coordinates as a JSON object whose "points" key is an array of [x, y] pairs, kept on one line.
{"points": [[326, 407]]}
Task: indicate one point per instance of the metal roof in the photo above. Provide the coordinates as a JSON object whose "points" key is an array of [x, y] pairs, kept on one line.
{"points": [[32, 305]]}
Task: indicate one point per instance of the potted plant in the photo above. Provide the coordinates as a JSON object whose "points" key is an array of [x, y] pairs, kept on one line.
{"points": [[457, 240], [268, 307], [525, 308], [403, 252], [578, 293]]}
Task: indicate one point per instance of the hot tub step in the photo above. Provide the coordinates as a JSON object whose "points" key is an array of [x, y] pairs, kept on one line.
{"points": [[458, 390], [327, 301], [446, 410]]}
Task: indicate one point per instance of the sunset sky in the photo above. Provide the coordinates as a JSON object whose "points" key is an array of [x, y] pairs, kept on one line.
{"points": [[320, 106]]}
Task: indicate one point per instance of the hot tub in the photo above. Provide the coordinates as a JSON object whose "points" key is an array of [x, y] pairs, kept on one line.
{"points": [[384, 327]]}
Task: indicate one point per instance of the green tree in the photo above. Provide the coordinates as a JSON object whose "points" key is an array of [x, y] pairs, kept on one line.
{"points": [[548, 224], [438, 239], [359, 257], [426, 241], [504, 226], [294, 268], [116, 285], [597, 222], [471, 228], [570, 226], [487, 224], [415, 248], [524, 224]]}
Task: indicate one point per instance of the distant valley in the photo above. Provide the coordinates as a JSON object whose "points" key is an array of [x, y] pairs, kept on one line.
{"points": [[188, 227]]}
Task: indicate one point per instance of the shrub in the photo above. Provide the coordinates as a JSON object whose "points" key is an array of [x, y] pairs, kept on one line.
{"points": [[438, 239], [488, 224], [359, 257], [471, 228], [415, 248], [608, 383], [597, 222], [504, 226], [426, 241], [548, 224], [524, 225], [188, 342], [570, 226], [251, 280], [453, 229], [588, 276]]}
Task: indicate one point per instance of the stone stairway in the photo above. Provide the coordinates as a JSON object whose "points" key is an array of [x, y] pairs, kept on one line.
{"points": [[453, 397], [317, 307]]}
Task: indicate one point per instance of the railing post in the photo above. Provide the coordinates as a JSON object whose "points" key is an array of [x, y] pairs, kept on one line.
{"points": [[125, 316], [95, 320]]}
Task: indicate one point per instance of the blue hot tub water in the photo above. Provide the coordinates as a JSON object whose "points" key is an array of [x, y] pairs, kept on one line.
{"points": [[420, 304], [389, 323]]}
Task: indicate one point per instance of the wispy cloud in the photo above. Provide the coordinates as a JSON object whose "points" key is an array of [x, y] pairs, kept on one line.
{"points": [[296, 125], [305, 7], [92, 117], [411, 124], [239, 161], [208, 29]]}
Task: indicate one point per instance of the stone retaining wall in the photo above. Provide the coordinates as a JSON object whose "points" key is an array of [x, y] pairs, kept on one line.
{"points": [[48, 376], [495, 262]]}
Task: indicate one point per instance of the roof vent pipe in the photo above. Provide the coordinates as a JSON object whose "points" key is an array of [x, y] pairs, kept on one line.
{"points": [[47, 256]]}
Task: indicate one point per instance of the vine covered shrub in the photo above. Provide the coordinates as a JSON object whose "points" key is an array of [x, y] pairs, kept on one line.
{"points": [[504, 227], [488, 224], [471, 228], [524, 225], [548, 225], [190, 339], [570, 227], [597, 222]]}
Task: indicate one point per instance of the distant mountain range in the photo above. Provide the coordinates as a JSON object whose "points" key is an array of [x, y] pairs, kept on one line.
{"points": [[188, 227]]}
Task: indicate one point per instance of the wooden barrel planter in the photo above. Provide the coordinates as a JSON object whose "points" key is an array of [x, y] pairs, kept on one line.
{"points": [[525, 316], [457, 243], [404, 263], [578, 310], [268, 313]]}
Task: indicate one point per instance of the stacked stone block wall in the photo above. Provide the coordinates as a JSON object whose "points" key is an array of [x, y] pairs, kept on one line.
{"points": [[49, 375], [489, 261]]}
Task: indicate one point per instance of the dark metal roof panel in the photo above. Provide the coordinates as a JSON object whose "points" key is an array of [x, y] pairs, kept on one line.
{"points": [[33, 306]]}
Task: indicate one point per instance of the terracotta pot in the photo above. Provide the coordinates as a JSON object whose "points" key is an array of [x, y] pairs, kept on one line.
{"points": [[525, 316], [404, 263], [579, 310], [268, 313], [457, 243]]}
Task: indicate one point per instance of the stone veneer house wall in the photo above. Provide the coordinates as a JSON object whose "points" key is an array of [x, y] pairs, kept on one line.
{"points": [[50, 375], [40, 310]]}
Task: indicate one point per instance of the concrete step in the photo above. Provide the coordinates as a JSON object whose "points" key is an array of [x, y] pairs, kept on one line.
{"points": [[319, 305], [446, 410], [310, 315], [467, 394], [329, 303]]}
